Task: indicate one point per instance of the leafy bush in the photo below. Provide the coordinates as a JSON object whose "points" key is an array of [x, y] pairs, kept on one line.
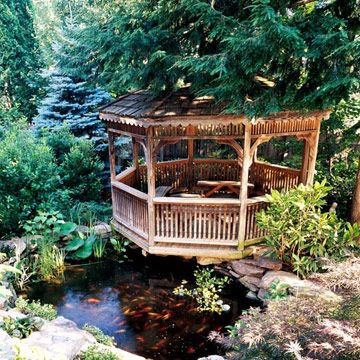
{"points": [[4, 270], [99, 335], [20, 328], [28, 177], [206, 293], [95, 352], [34, 308], [81, 172], [299, 233]]}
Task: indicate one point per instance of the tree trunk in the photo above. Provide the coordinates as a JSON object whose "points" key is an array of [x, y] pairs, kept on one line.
{"points": [[355, 211]]}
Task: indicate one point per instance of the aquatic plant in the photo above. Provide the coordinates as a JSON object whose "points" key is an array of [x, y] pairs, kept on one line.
{"points": [[35, 308], [99, 248], [120, 245], [50, 262], [207, 290], [99, 335]]}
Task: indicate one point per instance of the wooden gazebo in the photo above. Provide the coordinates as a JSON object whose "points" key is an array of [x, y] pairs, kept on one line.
{"points": [[193, 206]]}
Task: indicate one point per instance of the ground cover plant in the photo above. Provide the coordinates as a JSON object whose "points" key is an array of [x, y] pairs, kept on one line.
{"points": [[309, 327]]}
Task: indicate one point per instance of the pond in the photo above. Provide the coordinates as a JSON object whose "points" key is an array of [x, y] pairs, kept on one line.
{"points": [[133, 301]]}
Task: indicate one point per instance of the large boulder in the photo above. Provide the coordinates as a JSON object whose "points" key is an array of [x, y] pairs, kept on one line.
{"points": [[7, 351], [298, 287], [15, 245], [245, 267], [59, 339], [282, 276]]}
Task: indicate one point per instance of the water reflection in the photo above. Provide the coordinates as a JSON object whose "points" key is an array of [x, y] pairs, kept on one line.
{"points": [[134, 303]]}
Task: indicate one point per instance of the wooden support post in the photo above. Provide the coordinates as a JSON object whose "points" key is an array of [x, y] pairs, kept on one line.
{"points": [[112, 160], [247, 160], [190, 131], [135, 148], [151, 168], [313, 144], [305, 163]]}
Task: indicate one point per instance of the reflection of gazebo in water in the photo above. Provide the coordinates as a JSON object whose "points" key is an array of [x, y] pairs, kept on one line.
{"points": [[192, 206]]}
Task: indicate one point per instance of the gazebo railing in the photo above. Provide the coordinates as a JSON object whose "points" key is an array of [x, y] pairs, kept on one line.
{"points": [[197, 221], [268, 176], [214, 169]]}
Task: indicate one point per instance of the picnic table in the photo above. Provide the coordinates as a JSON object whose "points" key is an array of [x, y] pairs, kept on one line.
{"points": [[218, 185]]}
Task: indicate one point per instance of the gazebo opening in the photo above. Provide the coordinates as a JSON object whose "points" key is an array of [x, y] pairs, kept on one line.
{"points": [[203, 176]]}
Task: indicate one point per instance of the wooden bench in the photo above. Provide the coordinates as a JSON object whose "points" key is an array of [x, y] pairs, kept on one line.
{"points": [[161, 191]]}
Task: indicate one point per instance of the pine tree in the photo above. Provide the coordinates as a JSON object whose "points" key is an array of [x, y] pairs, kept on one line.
{"points": [[19, 60], [69, 102]]}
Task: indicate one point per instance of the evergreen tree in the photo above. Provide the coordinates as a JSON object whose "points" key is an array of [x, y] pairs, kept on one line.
{"points": [[259, 56], [69, 102], [19, 60]]}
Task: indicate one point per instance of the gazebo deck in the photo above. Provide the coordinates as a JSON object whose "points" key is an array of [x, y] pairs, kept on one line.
{"points": [[194, 226]]}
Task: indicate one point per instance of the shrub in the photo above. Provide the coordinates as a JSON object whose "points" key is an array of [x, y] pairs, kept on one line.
{"points": [[99, 335], [81, 172], [300, 234], [20, 328], [95, 352], [34, 308], [28, 177]]}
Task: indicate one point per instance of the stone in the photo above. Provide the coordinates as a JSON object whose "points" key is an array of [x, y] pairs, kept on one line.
{"points": [[12, 313], [83, 229], [248, 284], [298, 287], [234, 274], [244, 269], [201, 260], [59, 339], [268, 263], [212, 357], [252, 280], [7, 351], [309, 289], [16, 244], [102, 229], [282, 276], [262, 294], [251, 295]]}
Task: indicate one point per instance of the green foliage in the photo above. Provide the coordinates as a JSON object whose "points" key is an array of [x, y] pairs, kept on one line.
{"points": [[99, 335], [20, 328], [80, 172], [19, 61], [206, 293], [81, 245], [300, 234], [99, 248], [4, 270], [35, 308], [277, 290], [49, 225], [94, 352], [87, 213], [120, 245], [28, 177], [259, 56], [50, 261]]}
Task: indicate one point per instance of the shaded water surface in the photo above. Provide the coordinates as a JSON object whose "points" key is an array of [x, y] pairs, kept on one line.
{"points": [[133, 302]]}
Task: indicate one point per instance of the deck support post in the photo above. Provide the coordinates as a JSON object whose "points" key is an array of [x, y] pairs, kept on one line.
{"points": [[135, 149], [112, 160], [151, 168], [190, 131], [313, 149], [305, 163], [246, 163]]}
